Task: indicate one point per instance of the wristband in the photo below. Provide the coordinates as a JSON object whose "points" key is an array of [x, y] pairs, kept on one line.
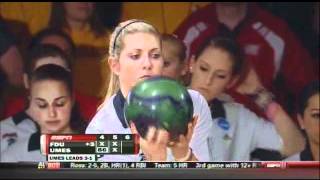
{"points": [[263, 98]]}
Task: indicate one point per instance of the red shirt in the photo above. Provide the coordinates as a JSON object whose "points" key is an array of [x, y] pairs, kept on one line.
{"points": [[87, 105], [266, 41]]}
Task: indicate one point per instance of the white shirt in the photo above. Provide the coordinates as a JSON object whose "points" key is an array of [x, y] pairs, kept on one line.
{"points": [[27, 150], [106, 121], [14, 128], [246, 133]]}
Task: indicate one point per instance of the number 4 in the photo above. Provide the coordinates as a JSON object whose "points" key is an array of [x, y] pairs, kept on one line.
{"points": [[101, 137]]}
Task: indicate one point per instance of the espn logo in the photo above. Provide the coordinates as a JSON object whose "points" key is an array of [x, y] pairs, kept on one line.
{"points": [[278, 164]]}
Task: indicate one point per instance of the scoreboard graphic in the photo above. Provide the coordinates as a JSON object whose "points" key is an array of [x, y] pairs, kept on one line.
{"points": [[87, 148]]}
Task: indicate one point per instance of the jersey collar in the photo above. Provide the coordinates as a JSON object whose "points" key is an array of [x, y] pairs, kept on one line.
{"points": [[19, 117], [217, 109], [118, 103], [34, 141]]}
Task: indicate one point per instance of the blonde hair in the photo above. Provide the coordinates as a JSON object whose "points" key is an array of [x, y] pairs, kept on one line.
{"points": [[177, 43], [116, 46]]}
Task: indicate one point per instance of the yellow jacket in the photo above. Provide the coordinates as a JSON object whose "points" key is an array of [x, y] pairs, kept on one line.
{"points": [[36, 15], [91, 70], [165, 16]]}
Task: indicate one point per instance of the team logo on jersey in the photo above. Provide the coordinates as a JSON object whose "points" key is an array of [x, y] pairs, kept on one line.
{"points": [[10, 137], [223, 124]]}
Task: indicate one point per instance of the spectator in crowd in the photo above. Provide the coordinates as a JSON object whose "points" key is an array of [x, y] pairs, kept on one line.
{"points": [[271, 50], [237, 132], [11, 65], [49, 54], [173, 52], [55, 37], [80, 21], [51, 110], [308, 117]]}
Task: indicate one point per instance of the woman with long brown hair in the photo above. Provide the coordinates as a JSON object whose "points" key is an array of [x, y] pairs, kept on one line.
{"points": [[80, 21]]}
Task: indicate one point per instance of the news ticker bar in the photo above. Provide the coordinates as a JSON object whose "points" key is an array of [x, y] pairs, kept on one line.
{"points": [[176, 165], [89, 144]]}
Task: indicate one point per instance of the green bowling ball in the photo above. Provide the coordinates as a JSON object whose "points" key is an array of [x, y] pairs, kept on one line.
{"points": [[160, 102]]}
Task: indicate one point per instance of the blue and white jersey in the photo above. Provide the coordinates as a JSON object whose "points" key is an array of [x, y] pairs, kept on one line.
{"points": [[17, 127], [110, 120], [239, 132], [24, 150]]}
